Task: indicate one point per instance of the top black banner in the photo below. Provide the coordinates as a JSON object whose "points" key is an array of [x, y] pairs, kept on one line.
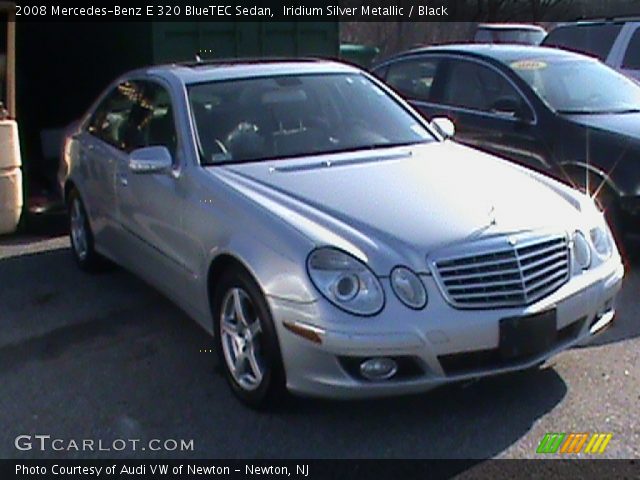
{"points": [[329, 10]]}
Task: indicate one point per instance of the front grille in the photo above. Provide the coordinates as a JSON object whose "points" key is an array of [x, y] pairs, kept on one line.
{"points": [[505, 271]]}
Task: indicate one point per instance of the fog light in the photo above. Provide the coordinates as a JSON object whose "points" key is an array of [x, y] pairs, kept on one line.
{"points": [[378, 368]]}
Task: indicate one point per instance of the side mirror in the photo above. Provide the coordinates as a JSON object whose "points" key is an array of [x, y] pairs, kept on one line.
{"points": [[443, 126], [150, 160]]}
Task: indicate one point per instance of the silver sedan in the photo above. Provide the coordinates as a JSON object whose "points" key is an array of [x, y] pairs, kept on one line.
{"points": [[333, 242]]}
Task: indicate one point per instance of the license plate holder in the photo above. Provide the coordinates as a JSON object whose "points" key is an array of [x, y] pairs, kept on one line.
{"points": [[528, 335]]}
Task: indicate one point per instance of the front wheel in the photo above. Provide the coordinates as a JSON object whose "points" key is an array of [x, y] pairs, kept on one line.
{"points": [[246, 341]]}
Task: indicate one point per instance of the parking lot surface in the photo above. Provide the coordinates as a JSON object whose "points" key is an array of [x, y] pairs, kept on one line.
{"points": [[107, 357]]}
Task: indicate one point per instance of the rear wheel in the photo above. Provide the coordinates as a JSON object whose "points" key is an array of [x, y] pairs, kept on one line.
{"points": [[82, 244], [246, 341]]}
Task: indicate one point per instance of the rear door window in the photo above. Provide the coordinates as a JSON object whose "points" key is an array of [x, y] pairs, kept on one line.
{"points": [[413, 78], [595, 39], [632, 56]]}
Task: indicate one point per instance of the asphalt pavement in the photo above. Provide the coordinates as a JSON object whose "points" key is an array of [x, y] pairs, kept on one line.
{"points": [[106, 357]]}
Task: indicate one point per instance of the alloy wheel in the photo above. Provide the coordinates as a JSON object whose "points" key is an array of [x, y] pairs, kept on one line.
{"points": [[240, 334]]}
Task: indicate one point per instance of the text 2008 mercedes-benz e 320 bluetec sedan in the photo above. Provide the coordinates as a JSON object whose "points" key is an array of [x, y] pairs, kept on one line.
{"points": [[333, 242]]}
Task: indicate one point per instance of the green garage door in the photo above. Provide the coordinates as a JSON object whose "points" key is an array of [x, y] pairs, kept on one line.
{"points": [[179, 41]]}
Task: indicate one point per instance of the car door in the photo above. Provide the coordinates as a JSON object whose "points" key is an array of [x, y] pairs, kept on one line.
{"points": [[100, 151], [490, 112], [150, 206]]}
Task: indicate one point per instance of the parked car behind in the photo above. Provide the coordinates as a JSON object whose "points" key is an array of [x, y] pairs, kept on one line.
{"points": [[521, 33], [616, 43], [558, 112], [318, 227]]}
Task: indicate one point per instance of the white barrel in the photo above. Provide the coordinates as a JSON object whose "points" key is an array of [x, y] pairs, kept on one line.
{"points": [[9, 145], [10, 199]]}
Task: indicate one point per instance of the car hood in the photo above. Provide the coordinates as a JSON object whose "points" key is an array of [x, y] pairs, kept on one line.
{"points": [[627, 124], [398, 205]]}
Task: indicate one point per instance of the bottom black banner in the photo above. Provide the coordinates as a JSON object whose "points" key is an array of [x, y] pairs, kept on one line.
{"points": [[320, 469]]}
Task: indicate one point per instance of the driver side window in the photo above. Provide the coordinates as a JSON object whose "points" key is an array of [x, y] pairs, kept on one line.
{"points": [[151, 120], [110, 119]]}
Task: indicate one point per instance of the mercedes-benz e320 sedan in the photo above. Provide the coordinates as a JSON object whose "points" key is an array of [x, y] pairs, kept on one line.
{"points": [[333, 242]]}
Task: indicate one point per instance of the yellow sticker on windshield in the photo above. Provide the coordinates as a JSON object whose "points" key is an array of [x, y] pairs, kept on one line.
{"points": [[529, 65]]}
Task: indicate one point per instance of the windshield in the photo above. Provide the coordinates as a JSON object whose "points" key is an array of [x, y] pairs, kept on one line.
{"points": [[579, 86], [295, 115]]}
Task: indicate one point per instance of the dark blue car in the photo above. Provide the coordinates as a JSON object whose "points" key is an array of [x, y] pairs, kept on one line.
{"points": [[558, 112]]}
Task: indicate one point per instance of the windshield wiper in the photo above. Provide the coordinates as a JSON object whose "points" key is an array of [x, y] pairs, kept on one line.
{"points": [[376, 146]]}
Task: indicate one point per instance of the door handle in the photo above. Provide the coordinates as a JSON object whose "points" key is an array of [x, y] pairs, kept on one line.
{"points": [[124, 181]]}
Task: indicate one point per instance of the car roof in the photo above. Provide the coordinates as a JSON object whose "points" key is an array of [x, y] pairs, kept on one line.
{"points": [[503, 53], [510, 26], [199, 72]]}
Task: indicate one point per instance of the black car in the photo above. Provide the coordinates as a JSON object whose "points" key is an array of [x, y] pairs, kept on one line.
{"points": [[558, 112]]}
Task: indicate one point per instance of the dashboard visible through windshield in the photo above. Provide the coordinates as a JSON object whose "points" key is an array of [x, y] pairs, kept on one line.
{"points": [[297, 115]]}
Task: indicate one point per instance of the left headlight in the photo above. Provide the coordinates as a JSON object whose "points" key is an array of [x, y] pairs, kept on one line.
{"points": [[602, 240], [345, 281]]}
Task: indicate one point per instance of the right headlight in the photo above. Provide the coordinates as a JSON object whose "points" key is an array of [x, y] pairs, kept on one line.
{"points": [[345, 281], [600, 236], [408, 288], [581, 250]]}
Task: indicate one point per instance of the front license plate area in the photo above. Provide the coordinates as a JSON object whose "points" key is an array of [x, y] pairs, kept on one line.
{"points": [[529, 335]]}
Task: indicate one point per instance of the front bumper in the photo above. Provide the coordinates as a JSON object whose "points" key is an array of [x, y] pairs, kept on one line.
{"points": [[442, 344]]}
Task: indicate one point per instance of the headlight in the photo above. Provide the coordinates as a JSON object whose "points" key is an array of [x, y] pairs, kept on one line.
{"points": [[345, 281], [408, 288], [581, 251], [602, 241]]}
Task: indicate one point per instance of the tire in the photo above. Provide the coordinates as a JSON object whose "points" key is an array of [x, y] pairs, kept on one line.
{"points": [[81, 236], [246, 343]]}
